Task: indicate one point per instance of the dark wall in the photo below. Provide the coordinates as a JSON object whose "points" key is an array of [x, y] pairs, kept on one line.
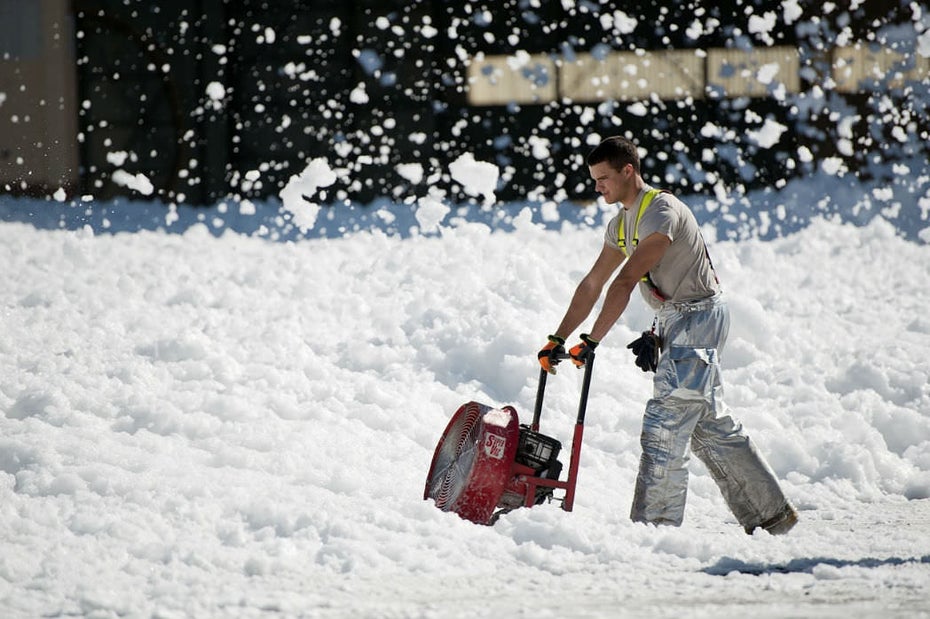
{"points": [[144, 70]]}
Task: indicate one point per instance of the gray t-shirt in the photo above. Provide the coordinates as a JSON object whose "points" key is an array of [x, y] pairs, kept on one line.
{"points": [[684, 273]]}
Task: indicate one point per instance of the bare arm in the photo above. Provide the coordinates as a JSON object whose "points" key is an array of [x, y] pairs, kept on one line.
{"points": [[589, 290], [646, 256]]}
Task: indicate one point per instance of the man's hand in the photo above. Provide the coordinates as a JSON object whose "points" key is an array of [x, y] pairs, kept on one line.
{"points": [[646, 348], [581, 352], [548, 356]]}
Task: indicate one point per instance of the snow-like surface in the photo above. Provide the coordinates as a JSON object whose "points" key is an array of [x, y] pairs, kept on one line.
{"points": [[230, 412], [203, 426]]}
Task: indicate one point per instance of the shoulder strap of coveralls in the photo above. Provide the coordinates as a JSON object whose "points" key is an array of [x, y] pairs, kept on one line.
{"points": [[643, 205]]}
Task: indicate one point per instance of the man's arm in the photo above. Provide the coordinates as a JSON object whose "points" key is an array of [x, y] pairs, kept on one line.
{"points": [[589, 290], [648, 253]]}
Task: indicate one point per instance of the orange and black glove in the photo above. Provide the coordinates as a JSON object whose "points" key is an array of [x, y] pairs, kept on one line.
{"points": [[582, 351], [549, 355]]}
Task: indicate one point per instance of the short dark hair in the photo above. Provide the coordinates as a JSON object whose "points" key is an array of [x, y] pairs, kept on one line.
{"points": [[617, 151]]}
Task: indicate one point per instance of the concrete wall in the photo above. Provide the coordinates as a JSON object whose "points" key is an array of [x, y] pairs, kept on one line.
{"points": [[38, 102], [197, 97]]}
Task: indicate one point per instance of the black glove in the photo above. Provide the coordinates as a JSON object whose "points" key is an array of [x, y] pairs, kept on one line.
{"points": [[548, 356], [582, 351], [646, 348]]}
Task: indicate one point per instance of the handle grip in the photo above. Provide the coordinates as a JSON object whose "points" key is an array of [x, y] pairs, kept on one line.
{"points": [[585, 387]]}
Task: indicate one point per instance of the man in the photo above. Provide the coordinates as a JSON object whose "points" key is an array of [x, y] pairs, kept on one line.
{"points": [[656, 239]]}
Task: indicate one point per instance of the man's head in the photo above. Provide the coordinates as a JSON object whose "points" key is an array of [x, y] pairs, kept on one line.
{"points": [[617, 151], [614, 166]]}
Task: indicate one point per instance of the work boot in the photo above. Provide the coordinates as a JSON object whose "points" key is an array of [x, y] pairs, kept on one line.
{"points": [[780, 523]]}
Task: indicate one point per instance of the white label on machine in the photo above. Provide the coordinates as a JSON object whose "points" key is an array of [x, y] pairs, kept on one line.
{"points": [[494, 446]]}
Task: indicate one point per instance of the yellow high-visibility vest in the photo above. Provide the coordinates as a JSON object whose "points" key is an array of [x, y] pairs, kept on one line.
{"points": [[643, 205]]}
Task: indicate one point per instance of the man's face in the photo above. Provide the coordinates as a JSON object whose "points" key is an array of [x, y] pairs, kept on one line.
{"points": [[610, 183]]}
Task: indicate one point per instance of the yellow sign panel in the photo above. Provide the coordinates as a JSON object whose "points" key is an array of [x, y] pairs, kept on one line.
{"points": [[632, 76], [676, 74]]}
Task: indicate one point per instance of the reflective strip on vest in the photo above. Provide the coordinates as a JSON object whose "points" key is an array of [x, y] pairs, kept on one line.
{"points": [[643, 205]]}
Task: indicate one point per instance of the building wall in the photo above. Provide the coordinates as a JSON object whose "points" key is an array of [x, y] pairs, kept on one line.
{"points": [[38, 105], [199, 100]]}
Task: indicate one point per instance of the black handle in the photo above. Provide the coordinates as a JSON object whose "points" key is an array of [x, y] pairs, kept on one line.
{"points": [[585, 387]]}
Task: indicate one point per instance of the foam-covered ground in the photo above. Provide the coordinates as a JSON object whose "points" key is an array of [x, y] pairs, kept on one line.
{"points": [[202, 426]]}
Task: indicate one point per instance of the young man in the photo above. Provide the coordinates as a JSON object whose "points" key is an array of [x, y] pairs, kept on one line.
{"points": [[656, 239]]}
